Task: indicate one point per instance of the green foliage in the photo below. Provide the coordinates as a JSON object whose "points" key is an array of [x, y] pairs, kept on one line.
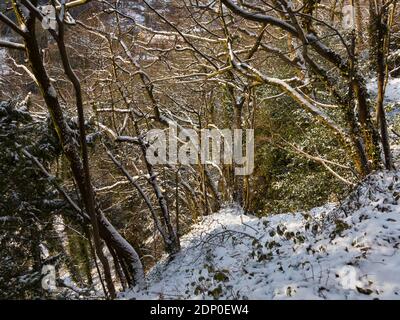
{"points": [[286, 180], [27, 201]]}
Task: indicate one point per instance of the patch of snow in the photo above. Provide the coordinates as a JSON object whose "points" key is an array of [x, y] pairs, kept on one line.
{"points": [[44, 251], [137, 16], [52, 92], [392, 93], [7, 219], [347, 251], [4, 68]]}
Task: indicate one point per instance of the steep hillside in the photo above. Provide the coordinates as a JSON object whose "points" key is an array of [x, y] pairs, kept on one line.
{"points": [[347, 251]]}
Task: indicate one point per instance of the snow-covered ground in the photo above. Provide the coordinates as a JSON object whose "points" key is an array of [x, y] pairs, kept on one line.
{"points": [[347, 251], [392, 93]]}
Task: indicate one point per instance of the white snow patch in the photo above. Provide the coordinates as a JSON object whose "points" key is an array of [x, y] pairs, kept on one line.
{"points": [[349, 251], [52, 92], [4, 68], [392, 93]]}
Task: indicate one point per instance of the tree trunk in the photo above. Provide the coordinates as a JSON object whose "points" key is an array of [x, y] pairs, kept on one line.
{"points": [[70, 148]]}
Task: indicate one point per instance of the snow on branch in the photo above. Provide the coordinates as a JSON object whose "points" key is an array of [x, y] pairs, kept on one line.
{"points": [[11, 45]]}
